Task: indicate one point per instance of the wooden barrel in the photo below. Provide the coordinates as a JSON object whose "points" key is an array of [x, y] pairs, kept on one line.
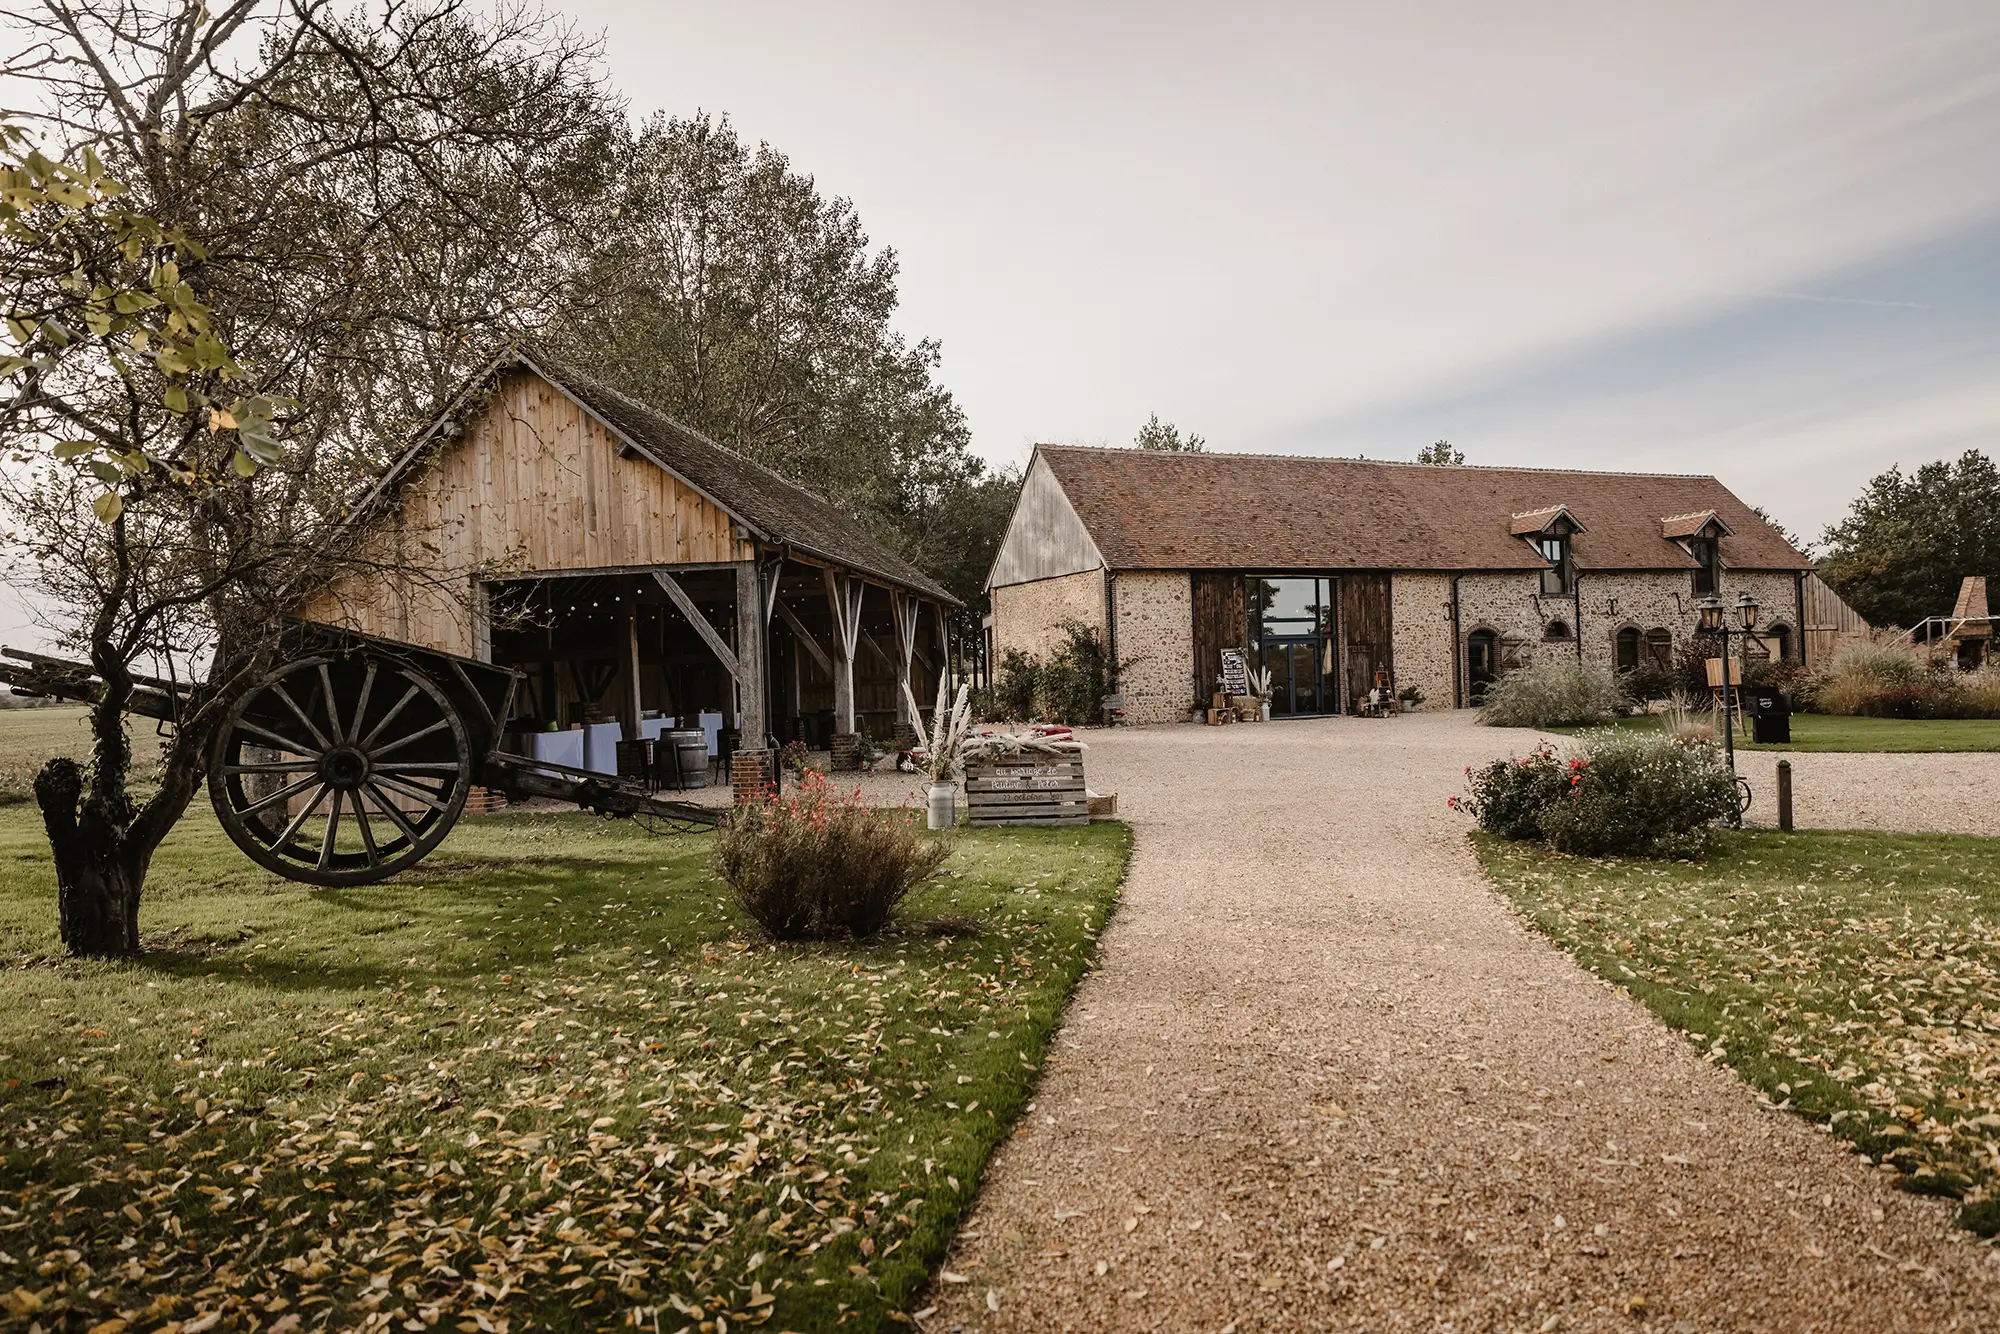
{"points": [[690, 751]]}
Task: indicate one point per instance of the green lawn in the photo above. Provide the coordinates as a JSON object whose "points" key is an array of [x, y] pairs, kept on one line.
{"points": [[1853, 977], [1821, 731], [554, 1077]]}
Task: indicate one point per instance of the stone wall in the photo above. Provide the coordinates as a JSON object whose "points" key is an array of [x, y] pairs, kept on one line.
{"points": [[1645, 601], [1420, 619], [1026, 616], [1156, 640]]}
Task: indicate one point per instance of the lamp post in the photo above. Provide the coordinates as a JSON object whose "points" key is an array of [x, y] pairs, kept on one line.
{"points": [[1712, 621]]}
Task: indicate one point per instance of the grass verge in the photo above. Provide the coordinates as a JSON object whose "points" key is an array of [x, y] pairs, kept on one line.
{"points": [[1829, 732], [1853, 977], [552, 1078]]}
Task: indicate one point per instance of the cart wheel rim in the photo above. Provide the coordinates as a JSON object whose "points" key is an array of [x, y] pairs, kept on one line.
{"points": [[340, 770]]}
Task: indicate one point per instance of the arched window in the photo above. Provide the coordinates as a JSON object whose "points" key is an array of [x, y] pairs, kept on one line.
{"points": [[1628, 648], [1660, 647], [1556, 630], [1781, 642]]}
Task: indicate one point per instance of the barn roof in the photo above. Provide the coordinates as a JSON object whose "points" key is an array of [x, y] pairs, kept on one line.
{"points": [[1155, 509], [778, 511]]}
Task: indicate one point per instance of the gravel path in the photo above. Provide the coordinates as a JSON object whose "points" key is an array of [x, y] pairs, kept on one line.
{"points": [[1324, 1079], [1933, 794]]}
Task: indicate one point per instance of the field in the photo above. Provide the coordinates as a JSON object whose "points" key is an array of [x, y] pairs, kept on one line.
{"points": [[1828, 732], [554, 1077], [30, 736], [1853, 977]]}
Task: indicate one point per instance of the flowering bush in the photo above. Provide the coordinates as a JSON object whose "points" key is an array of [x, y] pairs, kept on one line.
{"points": [[1509, 796], [1641, 796], [818, 865], [1635, 796]]}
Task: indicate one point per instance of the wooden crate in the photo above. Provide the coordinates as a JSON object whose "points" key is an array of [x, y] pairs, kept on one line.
{"points": [[1027, 789]]}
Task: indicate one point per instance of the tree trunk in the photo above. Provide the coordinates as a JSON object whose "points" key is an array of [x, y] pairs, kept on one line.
{"points": [[100, 869]]}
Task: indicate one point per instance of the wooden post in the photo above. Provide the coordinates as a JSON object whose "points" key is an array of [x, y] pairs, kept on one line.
{"points": [[843, 595], [628, 715], [904, 610], [751, 662], [1785, 795]]}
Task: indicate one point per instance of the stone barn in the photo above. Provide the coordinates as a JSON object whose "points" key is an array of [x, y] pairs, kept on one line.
{"points": [[1333, 572]]}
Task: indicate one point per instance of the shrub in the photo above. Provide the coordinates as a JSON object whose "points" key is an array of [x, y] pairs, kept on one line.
{"points": [[1875, 679], [815, 865], [1509, 796], [1647, 682], [1014, 688], [1641, 796], [1689, 719], [1553, 692], [1073, 682], [1635, 796]]}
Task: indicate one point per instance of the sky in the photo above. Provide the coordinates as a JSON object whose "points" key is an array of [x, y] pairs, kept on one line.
{"points": [[1760, 241]]}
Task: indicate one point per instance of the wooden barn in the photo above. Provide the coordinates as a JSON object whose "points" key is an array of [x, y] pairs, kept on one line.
{"points": [[641, 576]]}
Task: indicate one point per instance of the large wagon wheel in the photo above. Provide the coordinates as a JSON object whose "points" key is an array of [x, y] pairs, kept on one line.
{"points": [[340, 770]]}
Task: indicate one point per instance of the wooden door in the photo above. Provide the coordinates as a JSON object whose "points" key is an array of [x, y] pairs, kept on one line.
{"points": [[1365, 628], [1221, 620]]}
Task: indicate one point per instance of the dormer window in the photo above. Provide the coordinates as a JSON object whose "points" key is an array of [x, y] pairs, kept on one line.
{"points": [[1549, 532], [1555, 550], [1706, 548]]}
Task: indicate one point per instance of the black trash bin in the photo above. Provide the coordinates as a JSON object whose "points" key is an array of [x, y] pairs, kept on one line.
{"points": [[1770, 714]]}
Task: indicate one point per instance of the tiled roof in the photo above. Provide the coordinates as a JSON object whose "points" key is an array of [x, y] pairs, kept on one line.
{"points": [[1687, 525], [1151, 509]]}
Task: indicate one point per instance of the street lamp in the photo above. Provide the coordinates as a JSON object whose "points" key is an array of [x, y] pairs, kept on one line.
{"points": [[1712, 622]]}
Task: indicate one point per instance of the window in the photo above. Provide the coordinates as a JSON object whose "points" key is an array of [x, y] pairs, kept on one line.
{"points": [[1707, 552], [1556, 630], [1292, 606], [1660, 648], [1780, 637], [1555, 550], [1628, 649]]}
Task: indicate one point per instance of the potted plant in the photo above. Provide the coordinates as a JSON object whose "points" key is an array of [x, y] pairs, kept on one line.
{"points": [[941, 757], [1260, 690], [1198, 711], [1409, 697]]}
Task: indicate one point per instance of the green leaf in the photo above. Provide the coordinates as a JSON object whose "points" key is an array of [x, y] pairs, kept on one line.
{"points": [[107, 473], [176, 399], [242, 464], [69, 449], [108, 506]]}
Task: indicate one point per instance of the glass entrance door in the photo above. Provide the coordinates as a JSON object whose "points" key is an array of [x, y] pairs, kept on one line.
{"points": [[1301, 676], [1293, 624]]}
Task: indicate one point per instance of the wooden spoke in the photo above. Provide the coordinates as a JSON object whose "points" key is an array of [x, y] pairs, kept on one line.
{"points": [[296, 747], [332, 709], [396, 817], [410, 790], [332, 830], [421, 767], [282, 794], [273, 767], [401, 742], [299, 821], [361, 705], [388, 718], [279, 690], [374, 853]]}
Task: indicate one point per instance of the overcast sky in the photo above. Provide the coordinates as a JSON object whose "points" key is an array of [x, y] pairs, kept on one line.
{"points": [[1757, 240]]}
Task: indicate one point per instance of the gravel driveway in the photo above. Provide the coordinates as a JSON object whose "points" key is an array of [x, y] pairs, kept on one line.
{"points": [[1324, 1079]]}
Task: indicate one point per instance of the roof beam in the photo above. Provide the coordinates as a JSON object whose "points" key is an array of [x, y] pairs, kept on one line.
{"points": [[804, 636], [709, 635]]}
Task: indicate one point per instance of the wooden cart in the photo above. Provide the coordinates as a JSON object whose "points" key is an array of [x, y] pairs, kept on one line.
{"points": [[352, 758]]}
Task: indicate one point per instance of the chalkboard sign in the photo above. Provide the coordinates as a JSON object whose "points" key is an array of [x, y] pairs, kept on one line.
{"points": [[1235, 673]]}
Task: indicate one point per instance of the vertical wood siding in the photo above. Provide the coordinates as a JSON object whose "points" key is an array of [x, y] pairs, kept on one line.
{"points": [[1365, 625], [533, 484], [1221, 620]]}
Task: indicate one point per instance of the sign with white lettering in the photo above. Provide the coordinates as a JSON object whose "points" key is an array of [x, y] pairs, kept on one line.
{"points": [[1235, 672]]}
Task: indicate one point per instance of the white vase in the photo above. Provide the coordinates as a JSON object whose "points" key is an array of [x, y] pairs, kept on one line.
{"points": [[1264, 710], [943, 806]]}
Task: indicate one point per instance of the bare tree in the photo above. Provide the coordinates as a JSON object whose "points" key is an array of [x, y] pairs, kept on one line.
{"points": [[347, 211]]}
